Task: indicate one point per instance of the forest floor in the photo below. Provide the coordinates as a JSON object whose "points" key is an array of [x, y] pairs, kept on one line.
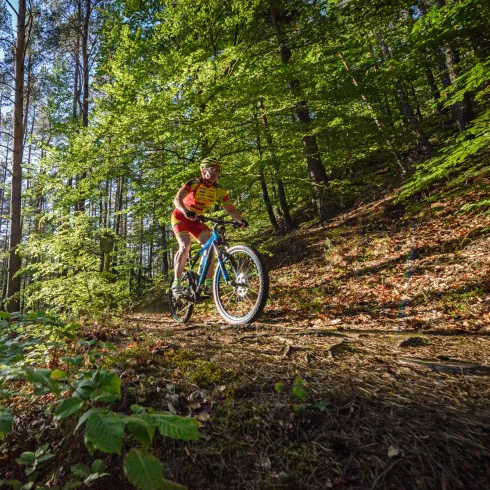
{"points": [[368, 370]]}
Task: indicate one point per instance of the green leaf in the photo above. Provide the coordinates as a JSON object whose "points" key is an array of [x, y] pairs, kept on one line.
{"points": [[68, 407], [80, 470], [98, 466], [58, 374], [94, 476], [104, 430], [74, 361], [144, 470], [70, 484], [27, 458], [6, 420], [137, 408], [298, 390], [40, 377], [175, 427], [171, 485], [110, 389], [142, 427]]}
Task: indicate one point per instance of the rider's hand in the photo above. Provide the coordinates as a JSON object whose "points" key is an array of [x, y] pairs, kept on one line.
{"points": [[243, 223], [190, 214]]}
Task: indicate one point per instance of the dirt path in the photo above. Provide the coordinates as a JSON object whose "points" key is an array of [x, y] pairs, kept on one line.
{"points": [[374, 414]]}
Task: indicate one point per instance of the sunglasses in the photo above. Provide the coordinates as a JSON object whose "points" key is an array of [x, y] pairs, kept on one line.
{"points": [[213, 170]]}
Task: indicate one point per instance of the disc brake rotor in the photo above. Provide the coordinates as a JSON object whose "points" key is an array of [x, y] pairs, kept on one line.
{"points": [[241, 284]]}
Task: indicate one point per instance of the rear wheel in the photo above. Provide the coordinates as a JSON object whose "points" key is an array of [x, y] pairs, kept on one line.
{"points": [[243, 298], [181, 306]]}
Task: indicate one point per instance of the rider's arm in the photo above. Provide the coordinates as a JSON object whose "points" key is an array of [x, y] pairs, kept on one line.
{"points": [[232, 211], [179, 200]]}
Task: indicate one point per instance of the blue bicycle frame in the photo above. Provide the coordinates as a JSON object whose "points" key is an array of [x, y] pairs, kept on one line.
{"points": [[212, 246]]}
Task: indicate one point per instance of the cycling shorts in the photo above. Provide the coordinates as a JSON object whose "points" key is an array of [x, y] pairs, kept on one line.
{"points": [[181, 224]]}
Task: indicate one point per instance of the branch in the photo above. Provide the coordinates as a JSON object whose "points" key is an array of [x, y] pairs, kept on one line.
{"points": [[7, 85], [12, 7], [8, 41]]}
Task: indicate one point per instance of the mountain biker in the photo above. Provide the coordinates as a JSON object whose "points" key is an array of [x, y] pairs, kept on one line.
{"points": [[194, 198]]}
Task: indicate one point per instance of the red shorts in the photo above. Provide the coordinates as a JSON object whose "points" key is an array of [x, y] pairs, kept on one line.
{"points": [[181, 224]]}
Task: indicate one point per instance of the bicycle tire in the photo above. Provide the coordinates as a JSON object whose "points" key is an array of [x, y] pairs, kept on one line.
{"points": [[242, 303], [180, 308]]}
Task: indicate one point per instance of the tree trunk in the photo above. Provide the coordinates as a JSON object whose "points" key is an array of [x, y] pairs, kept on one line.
{"points": [[86, 78], [462, 111], [13, 286], [165, 262], [281, 193], [436, 94], [263, 183], [405, 107], [378, 123], [313, 160]]}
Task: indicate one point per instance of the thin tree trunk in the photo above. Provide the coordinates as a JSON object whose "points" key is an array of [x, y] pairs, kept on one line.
{"points": [[378, 123], [436, 94], [461, 111], [165, 262], [281, 192], [313, 160], [405, 107], [86, 78], [263, 183], [13, 286]]}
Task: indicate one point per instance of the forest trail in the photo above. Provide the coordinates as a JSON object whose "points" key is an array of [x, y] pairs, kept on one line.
{"points": [[368, 369]]}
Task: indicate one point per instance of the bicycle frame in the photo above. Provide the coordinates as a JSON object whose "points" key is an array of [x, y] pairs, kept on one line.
{"points": [[212, 246]]}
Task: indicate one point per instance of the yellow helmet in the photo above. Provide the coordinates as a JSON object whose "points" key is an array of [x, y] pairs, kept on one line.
{"points": [[211, 162]]}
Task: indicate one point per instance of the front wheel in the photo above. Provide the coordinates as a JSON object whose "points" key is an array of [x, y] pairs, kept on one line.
{"points": [[181, 306], [242, 299]]}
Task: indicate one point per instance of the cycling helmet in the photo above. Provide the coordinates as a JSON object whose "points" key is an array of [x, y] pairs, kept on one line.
{"points": [[211, 162]]}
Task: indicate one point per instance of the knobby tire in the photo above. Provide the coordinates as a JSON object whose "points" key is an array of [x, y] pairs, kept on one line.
{"points": [[180, 308], [244, 302]]}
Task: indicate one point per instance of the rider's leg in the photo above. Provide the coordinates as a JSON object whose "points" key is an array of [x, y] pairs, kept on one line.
{"points": [[203, 238], [181, 255]]}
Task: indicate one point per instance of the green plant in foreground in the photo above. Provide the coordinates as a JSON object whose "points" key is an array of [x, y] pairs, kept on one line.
{"points": [[90, 393], [301, 394]]}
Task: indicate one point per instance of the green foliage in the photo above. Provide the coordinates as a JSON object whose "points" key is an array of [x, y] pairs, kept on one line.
{"points": [[143, 470], [299, 390], [65, 266], [35, 461], [6, 420], [82, 474], [92, 392]]}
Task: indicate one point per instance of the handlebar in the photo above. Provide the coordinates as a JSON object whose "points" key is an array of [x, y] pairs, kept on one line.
{"points": [[220, 221]]}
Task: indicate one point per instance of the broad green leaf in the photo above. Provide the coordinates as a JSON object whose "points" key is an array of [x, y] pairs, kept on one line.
{"points": [[171, 485], [104, 430], [142, 427], [68, 407], [58, 374], [83, 418], [144, 470], [176, 427], [70, 484], [81, 470], [137, 409], [74, 361], [109, 391], [98, 466], [40, 377], [27, 457], [6, 420]]}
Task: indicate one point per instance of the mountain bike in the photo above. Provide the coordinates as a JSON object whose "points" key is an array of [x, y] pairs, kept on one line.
{"points": [[240, 283]]}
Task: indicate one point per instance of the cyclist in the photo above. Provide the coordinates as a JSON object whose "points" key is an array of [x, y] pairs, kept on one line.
{"points": [[194, 199]]}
